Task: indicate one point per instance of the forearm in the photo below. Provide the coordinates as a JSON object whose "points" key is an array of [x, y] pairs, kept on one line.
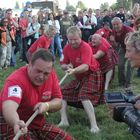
{"points": [[99, 54], [9, 112], [55, 105], [81, 69], [10, 116]]}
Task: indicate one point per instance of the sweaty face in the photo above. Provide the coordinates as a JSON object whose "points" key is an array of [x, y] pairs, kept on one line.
{"points": [[74, 40], [133, 56], [39, 71], [117, 25]]}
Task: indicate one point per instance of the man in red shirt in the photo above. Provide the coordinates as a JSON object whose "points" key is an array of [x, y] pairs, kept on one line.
{"points": [[105, 31], [43, 42], [117, 38], [104, 53], [30, 88], [87, 88]]}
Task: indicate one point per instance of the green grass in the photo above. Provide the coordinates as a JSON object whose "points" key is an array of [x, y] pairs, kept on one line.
{"points": [[79, 123]]}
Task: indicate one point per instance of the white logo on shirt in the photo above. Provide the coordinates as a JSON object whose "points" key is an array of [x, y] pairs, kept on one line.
{"points": [[14, 91]]}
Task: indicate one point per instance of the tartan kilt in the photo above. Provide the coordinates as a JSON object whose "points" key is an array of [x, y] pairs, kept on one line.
{"points": [[46, 132], [111, 62], [90, 87]]}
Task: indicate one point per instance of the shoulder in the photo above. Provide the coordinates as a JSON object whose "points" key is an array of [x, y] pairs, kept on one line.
{"points": [[19, 77], [41, 38], [127, 28], [85, 45]]}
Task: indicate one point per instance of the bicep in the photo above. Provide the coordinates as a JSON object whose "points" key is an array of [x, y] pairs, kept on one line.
{"points": [[9, 105]]}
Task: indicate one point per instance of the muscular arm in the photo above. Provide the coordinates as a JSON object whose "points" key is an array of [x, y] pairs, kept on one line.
{"points": [[99, 55], [55, 105], [51, 106], [10, 114], [80, 69]]}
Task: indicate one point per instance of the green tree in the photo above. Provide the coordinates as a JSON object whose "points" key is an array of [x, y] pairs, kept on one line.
{"points": [[70, 8], [80, 5], [104, 6], [114, 6], [17, 5], [67, 3], [124, 3]]}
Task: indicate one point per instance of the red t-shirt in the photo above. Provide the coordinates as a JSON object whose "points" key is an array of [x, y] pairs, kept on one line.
{"points": [[103, 32], [19, 88], [104, 46], [23, 23], [120, 36], [42, 42], [81, 55]]}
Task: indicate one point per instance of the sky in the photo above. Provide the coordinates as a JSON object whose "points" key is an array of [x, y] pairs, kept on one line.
{"points": [[95, 4], [88, 3]]}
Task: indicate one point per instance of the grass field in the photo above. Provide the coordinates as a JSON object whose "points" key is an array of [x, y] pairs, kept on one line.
{"points": [[79, 123]]}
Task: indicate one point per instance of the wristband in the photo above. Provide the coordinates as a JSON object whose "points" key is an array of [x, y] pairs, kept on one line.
{"points": [[47, 106]]}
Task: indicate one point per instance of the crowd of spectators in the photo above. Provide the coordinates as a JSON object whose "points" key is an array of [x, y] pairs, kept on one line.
{"points": [[19, 33]]}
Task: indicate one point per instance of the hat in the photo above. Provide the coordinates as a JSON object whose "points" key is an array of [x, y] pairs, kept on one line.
{"points": [[27, 9], [28, 3]]}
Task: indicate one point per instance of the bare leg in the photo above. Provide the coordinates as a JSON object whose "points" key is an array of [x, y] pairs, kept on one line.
{"points": [[91, 115], [108, 78], [64, 119]]}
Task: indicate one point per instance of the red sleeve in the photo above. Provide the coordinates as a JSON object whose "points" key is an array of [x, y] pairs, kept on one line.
{"points": [[56, 92], [104, 45], [33, 47], [86, 54], [12, 91], [100, 32]]}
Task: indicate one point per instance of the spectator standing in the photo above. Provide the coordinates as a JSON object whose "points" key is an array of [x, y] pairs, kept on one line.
{"points": [[56, 38], [7, 35], [43, 41], [89, 22], [117, 38], [65, 23]]}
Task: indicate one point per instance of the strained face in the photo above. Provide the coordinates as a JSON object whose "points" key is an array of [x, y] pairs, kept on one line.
{"points": [[39, 71], [117, 25], [95, 41], [74, 40]]}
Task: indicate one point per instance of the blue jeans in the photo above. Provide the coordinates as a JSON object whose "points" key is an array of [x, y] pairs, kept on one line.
{"points": [[13, 57], [56, 40]]}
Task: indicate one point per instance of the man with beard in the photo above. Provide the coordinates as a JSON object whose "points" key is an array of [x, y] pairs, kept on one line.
{"points": [[117, 38]]}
